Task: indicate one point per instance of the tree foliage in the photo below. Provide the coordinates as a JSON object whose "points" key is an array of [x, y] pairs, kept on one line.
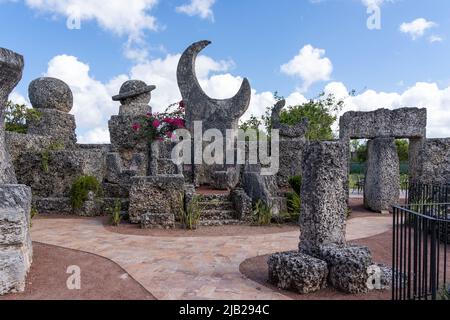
{"points": [[17, 116], [320, 112], [359, 150]]}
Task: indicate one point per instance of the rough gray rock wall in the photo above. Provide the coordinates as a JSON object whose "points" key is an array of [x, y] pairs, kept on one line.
{"points": [[159, 195], [382, 184], [126, 142], [56, 124], [18, 144], [399, 123], [16, 252], [434, 162], [11, 66], [324, 205], [291, 157], [52, 173]]}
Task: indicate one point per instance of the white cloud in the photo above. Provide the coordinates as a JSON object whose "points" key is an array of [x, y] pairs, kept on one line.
{"points": [[95, 136], [92, 99], [93, 105], [17, 98], [435, 38], [376, 3], [131, 18], [310, 65], [417, 28], [201, 8], [421, 95]]}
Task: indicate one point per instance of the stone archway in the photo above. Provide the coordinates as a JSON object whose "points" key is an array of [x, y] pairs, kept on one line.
{"points": [[381, 128]]}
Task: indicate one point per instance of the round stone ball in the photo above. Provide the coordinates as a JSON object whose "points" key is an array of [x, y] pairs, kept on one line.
{"points": [[50, 93]]}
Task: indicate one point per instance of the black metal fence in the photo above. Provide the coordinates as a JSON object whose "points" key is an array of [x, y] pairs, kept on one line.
{"points": [[419, 193], [421, 248]]}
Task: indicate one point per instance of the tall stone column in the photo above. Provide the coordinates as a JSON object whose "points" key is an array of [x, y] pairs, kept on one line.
{"points": [[324, 198], [382, 185], [15, 200], [11, 66]]}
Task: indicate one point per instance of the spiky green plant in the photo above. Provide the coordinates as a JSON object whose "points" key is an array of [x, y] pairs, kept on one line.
{"points": [[262, 214], [190, 213]]}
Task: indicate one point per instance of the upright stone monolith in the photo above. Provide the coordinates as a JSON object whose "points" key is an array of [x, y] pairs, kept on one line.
{"points": [[382, 184], [15, 200], [324, 206]]}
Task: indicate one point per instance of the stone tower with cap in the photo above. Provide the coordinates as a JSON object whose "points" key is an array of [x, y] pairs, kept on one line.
{"points": [[129, 155], [134, 97], [54, 100]]}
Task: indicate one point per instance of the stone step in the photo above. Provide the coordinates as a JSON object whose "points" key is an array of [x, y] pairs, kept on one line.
{"points": [[216, 205], [218, 214], [213, 197], [228, 222]]}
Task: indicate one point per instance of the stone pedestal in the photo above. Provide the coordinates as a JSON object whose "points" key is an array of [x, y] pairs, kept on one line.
{"points": [[348, 267], [159, 198], [324, 206], [297, 272], [323, 252], [382, 185]]}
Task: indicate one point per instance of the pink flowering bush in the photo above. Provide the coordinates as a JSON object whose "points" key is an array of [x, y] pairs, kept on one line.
{"points": [[161, 126]]}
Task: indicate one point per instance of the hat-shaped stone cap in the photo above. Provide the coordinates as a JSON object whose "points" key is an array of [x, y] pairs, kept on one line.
{"points": [[50, 93], [134, 89]]}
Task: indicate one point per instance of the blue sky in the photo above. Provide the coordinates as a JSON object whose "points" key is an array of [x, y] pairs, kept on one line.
{"points": [[298, 48]]}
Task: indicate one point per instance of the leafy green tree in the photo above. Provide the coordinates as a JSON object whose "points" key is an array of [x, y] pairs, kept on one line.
{"points": [[403, 149], [321, 114], [360, 150], [17, 115]]}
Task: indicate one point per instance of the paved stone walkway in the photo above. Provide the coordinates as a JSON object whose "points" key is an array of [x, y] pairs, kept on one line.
{"points": [[185, 268]]}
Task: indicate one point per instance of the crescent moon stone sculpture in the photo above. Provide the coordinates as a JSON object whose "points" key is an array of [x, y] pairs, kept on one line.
{"points": [[214, 113], [11, 68]]}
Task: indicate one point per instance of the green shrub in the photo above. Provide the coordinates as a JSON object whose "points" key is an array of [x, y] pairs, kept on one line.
{"points": [[190, 214], [81, 188], [116, 213], [289, 217], [262, 214], [294, 202], [296, 184], [17, 115]]}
